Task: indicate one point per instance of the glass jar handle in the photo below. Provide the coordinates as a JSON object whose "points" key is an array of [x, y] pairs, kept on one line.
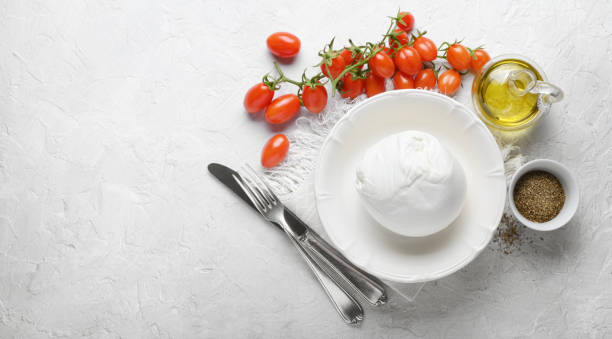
{"points": [[524, 81]]}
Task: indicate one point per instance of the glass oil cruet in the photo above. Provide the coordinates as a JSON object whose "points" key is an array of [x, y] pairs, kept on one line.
{"points": [[511, 93]]}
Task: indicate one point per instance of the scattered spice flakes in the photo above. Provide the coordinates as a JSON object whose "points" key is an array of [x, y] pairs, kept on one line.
{"points": [[539, 196], [508, 235], [511, 235]]}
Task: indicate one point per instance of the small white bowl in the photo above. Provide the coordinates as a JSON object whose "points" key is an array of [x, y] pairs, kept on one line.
{"points": [[570, 187]]}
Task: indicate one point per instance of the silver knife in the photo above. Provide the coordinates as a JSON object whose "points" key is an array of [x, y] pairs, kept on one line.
{"points": [[368, 286]]}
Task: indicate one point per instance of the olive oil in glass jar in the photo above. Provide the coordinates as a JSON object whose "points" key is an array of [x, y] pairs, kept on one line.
{"points": [[511, 93]]}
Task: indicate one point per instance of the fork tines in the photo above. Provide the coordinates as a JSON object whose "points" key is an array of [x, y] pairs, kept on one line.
{"points": [[257, 189]]}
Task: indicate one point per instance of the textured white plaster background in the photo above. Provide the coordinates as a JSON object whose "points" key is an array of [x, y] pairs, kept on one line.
{"points": [[110, 225]]}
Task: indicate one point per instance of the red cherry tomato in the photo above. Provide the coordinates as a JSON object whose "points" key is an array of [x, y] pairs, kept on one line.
{"points": [[482, 58], [388, 51], [274, 151], [348, 57], [257, 98], [425, 79], [374, 85], [426, 48], [408, 60], [406, 22], [458, 57], [402, 80], [449, 82], [283, 44], [336, 67], [282, 109], [382, 65], [351, 87], [314, 99], [402, 39]]}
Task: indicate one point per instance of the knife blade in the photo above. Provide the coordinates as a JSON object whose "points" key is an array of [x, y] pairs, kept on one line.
{"points": [[370, 287], [226, 176]]}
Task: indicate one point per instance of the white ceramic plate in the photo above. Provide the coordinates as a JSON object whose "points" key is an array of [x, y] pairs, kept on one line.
{"points": [[371, 246]]}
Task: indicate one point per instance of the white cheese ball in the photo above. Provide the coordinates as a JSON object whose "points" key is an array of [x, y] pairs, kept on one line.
{"points": [[411, 184]]}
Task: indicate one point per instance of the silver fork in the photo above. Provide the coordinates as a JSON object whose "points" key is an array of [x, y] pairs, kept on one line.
{"points": [[272, 210]]}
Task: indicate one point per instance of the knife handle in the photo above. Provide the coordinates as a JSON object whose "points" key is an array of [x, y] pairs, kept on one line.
{"points": [[369, 287], [348, 308]]}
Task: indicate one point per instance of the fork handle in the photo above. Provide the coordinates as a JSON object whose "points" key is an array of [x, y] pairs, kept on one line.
{"points": [[368, 287], [348, 308]]}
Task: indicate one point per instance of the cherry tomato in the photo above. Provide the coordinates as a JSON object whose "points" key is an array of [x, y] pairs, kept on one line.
{"points": [[348, 57], [449, 82], [402, 80], [374, 85], [274, 151], [335, 68], [388, 51], [351, 87], [458, 57], [406, 22], [283, 44], [314, 99], [382, 65], [482, 58], [402, 39], [408, 60], [257, 98], [425, 79], [282, 109], [426, 48]]}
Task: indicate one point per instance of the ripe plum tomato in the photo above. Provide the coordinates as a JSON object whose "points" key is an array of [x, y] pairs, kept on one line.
{"points": [[402, 80], [406, 22], [426, 48], [335, 68], [425, 79], [458, 57], [348, 57], [283, 44], [402, 39], [408, 60], [382, 65], [257, 98], [282, 109], [482, 57], [314, 99], [374, 85], [388, 51], [274, 151], [351, 87], [449, 82]]}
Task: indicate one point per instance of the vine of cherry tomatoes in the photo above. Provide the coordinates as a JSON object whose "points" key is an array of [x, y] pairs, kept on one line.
{"points": [[410, 60]]}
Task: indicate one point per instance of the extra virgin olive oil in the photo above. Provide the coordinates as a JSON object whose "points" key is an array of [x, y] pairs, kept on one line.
{"points": [[500, 106]]}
